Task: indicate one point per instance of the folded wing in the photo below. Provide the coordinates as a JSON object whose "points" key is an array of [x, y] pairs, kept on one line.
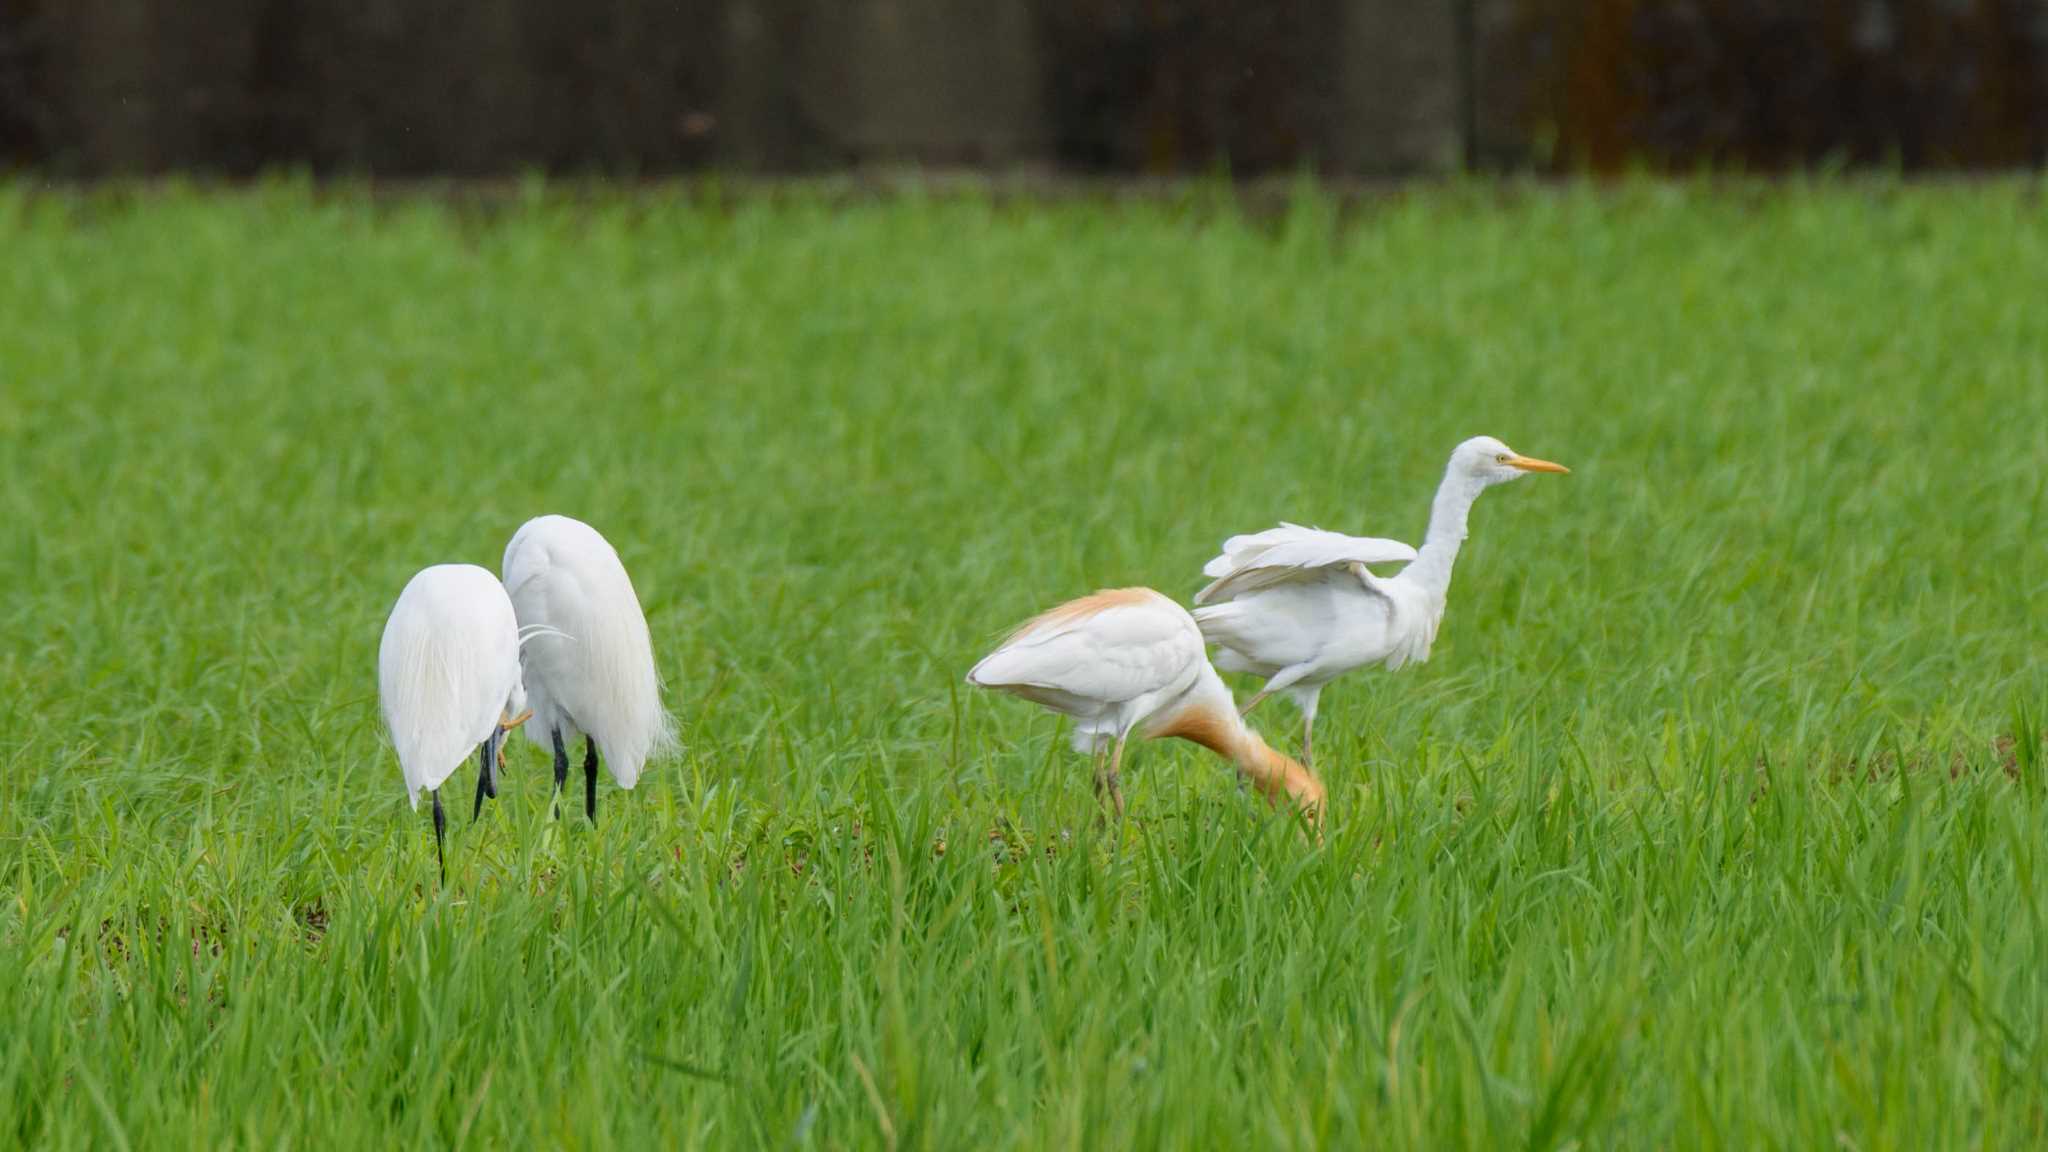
{"points": [[588, 656], [447, 666], [1103, 649]]}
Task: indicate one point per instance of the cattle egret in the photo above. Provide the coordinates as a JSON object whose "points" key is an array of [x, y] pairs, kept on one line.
{"points": [[591, 671], [1130, 660], [448, 681], [1299, 607]]}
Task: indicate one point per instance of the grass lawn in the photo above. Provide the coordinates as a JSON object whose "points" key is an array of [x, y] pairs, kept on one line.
{"points": [[1706, 825]]}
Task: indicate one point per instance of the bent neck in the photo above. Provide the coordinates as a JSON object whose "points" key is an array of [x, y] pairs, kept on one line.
{"points": [[1447, 518], [1214, 724], [1278, 776]]}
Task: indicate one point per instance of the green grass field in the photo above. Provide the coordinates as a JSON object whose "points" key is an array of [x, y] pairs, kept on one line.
{"points": [[1719, 817]]}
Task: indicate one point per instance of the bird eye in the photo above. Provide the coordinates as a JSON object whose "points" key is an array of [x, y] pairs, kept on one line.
{"points": [[1503, 457]]}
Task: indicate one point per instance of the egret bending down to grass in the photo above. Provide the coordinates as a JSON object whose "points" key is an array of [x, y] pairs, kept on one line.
{"points": [[1131, 660], [591, 671], [1299, 606], [448, 680]]}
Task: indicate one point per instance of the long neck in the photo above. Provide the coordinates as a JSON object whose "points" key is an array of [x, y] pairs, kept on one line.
{"points": [[1447, 515], [1278, 776], [1211, 720]]}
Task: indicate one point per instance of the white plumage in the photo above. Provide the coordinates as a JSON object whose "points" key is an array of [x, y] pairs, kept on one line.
{"points": [[589, 661], [447, 670], [1130, 660], [1279, 555], [448, 678], [1299, 607]]}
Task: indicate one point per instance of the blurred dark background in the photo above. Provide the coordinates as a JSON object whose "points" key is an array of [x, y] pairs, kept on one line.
{"points": [[625, 88]]}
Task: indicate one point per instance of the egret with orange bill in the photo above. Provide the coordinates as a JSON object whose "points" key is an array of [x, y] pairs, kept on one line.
{"points": [[1300, 607]]}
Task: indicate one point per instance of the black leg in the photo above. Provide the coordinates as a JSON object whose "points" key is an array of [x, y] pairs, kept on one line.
{"points": [[590, 778], [561, 772], [483, 780], [440, 832]]}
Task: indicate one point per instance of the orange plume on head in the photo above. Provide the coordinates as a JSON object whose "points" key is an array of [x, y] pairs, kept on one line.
{"points": [[1278, 777]]}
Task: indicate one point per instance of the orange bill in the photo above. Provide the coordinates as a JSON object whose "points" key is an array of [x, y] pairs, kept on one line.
{"points": [[1531, 464]]}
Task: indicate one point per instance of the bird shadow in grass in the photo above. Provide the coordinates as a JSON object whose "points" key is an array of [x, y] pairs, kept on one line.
{"points": [[683, 1067]]}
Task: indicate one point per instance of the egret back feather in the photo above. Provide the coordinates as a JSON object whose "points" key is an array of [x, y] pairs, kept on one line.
{"points": [[589, 659], [447, 666], [1291, 553]]}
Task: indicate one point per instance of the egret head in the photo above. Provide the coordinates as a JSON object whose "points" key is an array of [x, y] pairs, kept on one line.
{"points": [[1489, 461]]}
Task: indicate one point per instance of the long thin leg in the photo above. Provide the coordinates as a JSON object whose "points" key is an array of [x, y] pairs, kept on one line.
{"points": [[1101, 777], [561, 771], [590, 777], [1280, 681], [440, 833], [1116, 791], [485, 762], [1307, 699]]}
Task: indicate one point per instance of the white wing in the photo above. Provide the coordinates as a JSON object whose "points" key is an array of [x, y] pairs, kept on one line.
{"points": [[1098, 651], [1290, 553], [588, 657], [447, 668]]}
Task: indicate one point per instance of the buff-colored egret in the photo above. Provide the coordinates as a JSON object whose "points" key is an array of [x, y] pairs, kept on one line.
{"points": [[590, 671], [1299, 607], [448, 681], [1131, 660]]}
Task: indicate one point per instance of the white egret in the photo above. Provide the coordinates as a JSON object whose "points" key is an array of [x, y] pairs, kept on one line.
{"points": [[1131, 660], [1299, 607], [591, 672], [448, 681]]}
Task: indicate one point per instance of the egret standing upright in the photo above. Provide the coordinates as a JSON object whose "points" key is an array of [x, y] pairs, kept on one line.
{"points": [[591, 671], [448, 681], [1299, 606]]}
